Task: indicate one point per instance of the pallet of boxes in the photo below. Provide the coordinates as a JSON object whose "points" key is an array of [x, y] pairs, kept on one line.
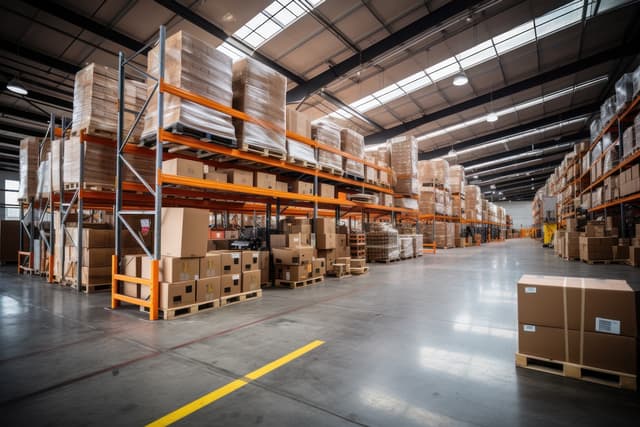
{"points": [[293, 256], [580, 328], [333, 247], [599, 242], [191, 278], [358, 250]]}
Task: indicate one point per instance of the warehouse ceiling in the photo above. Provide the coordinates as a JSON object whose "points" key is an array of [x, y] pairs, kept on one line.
{"points": [[383, 68]]}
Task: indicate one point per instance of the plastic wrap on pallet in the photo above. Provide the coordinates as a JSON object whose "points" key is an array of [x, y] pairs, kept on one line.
{"points": [[473, 202], [434, 172], [636, 131], [606, 140], [327, 133], [595, 127], [371, 173], [404, 162], [418, 244], [624, 91], [607, 110], [406, 246], [456, 179], [298, 122], [44, 177], [628, 141], [383, 243], [595, 153], [457, 206], [384, 154], [299, 151], [99, 163], [95, 101], [635, 77], [353, 143], [260, 92], [406, 203], [610, 159], [56, 156], [28, 168], [197, 67]]}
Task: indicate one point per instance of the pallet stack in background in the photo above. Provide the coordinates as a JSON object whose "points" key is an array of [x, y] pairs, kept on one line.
{"points": [[293, 256]]}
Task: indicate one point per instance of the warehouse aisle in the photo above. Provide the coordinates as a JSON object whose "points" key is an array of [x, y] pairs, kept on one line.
{"points": [[429, 341]]}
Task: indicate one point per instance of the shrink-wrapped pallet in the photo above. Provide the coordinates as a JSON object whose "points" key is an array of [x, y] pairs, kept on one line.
{"points": [[473, 202], [383, 243], [327, 133], [28, 168], [456, 179], [353, 143], [404, 162], [624, 92], [436, 232], [607, 110], [434, 172], [56, 159], [44, 177], [99, 163], [457, 205], [406, 246], [371, 173], [95, 101], [197, 67], [297, 151], [432, 201], [260, 92], [406, 203], [595, 127]]}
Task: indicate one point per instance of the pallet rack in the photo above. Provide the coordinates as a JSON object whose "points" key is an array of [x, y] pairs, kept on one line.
{"points": [[190, 188]]}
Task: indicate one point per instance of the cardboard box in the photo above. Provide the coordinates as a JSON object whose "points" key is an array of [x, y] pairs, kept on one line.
{"points": [[231, 262], [571, 224], [131, 266], [326, 241], [216, 176], [609, 305], [302, 187], [251, 280], [250, 260], [207, 289], [288, 256], [319, 267], [620, 252], [604, 351], [595, 229], [185, 232], [238, 176], [230, 284], [329, 256], [264, 265], [177, 294], [597, 248], [572, 244], [301, 228], [183, 167], [93, 257], [328, 190], [294, 240], [325, 226], [91, 238], [342, 251], [282, 186], [210, 266], [341, 240], [295, 273], [172, 269], [265, 180], [278, 240], [634, 255]]}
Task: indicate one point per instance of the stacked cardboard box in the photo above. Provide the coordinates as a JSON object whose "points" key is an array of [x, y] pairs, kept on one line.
{"points": [[293, 263], [327, 133], [404, 162], [473, 202], [630, 180], [590, 322], [431, 201], [29, 149], [383, 243], [456, 179], [406, 246], [434, 173], [97, 249], [260, 92], [353, 143], [299, 123]]}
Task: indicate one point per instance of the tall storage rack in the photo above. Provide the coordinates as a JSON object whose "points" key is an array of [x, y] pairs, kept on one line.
{"points": [[192, 188]]}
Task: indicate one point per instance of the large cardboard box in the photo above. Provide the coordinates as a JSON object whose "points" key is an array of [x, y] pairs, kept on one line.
{"points": [[326, 241], [301, 228], [238, 176], [597, 248], [282, 186], [288, 256], [172, 269], [184, 232], [265, 180], [230, 284], [183, 167], [325, 226], [294, 240], [634, 256], [216, 176], [250, 260], [91, 237], [302, 187], [319, 267], [231, 262], [250, 280], [572, 245], [328, 190], [620, 252], [607, 306], [210, 266], [294, 273], [177, 294], [208, 289], [595, 229], [278, 240], [329, 256], [604, 351], [93, 257], [264, 265], [131, 266]]}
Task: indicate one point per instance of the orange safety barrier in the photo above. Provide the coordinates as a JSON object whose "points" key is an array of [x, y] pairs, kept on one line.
{"points": [[153, 301], [429, 245], [22, 257]]}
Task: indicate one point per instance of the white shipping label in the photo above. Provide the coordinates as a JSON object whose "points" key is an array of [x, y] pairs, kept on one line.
{"points": [[608, 326], [235, 256], [236, 277], [530, 290], [529, 328]]}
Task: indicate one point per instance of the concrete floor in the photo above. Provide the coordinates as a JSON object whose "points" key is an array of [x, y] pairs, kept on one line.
{"points": [[429, 341]]}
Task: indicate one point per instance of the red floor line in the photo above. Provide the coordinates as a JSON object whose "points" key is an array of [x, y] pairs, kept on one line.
{"points": [[157, 353], [55, 347]]}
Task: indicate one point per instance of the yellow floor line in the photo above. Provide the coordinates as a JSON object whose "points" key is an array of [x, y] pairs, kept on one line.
{"points": [[229, 388]]}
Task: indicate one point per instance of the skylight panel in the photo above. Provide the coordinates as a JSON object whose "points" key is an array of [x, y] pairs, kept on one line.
{"points": [[447, 71], [440, 65], [368, 105], [416, 84], [268, 29], [525, 34], [395, 93]]}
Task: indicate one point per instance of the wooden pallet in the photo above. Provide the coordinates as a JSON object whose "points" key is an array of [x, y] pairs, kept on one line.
{"points": [[299, 284], [573, 258], [263, 151], [358, 253], [92, 289], [359, 270], [354, 177], [577, 371], [339, 274], [384, 261], [331, 170], [604, 261], [358, 239], [238, 298], [73, 186], [94, 131], [185, 310], [302, 163]]}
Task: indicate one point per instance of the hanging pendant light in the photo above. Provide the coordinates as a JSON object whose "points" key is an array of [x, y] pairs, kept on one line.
{"points": [[460, 79], [16, 86], [492, 117]]}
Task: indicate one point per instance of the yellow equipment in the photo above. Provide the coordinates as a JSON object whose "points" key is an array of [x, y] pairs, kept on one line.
{"points": [[548, 231]]}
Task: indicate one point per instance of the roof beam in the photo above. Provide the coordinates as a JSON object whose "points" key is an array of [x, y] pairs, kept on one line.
{"points": [[502, 170], [545, 121], [42, 97], [628, 49], [88, 24], [39, 57], [525, 170], [19, 130], [28, 115], [390, 42], [208, 26]]}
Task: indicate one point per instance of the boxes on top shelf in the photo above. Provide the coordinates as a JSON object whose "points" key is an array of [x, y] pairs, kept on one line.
{"points": [[299, 123], [327, 133], [353, 143], [434, 172], [404, 162], [624, 92]]}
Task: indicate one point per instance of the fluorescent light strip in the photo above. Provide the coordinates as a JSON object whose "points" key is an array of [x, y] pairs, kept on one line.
{"points": [[550, 23], [519, 107], [268, 23]]}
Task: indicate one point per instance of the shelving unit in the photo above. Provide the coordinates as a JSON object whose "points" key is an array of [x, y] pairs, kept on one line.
{"points": [[166, 188]]}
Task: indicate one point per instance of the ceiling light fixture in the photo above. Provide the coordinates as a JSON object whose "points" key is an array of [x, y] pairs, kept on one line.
{"points": [[475, 176], [460, 79], [16, 86], [492, 117], [452, 152]]}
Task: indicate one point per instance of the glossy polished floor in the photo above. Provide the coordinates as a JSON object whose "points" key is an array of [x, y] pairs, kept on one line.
{"points": [[428, 342]]}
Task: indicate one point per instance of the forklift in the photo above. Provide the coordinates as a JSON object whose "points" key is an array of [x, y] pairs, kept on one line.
{"points": [[549, 221]]}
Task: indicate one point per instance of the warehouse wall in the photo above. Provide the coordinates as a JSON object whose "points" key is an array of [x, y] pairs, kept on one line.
{"points": [[519, 211], [5, 175]]}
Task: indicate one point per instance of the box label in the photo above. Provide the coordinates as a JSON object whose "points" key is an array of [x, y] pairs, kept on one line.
{"points": [[530, 290], [608, 326], [528, 328]]}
